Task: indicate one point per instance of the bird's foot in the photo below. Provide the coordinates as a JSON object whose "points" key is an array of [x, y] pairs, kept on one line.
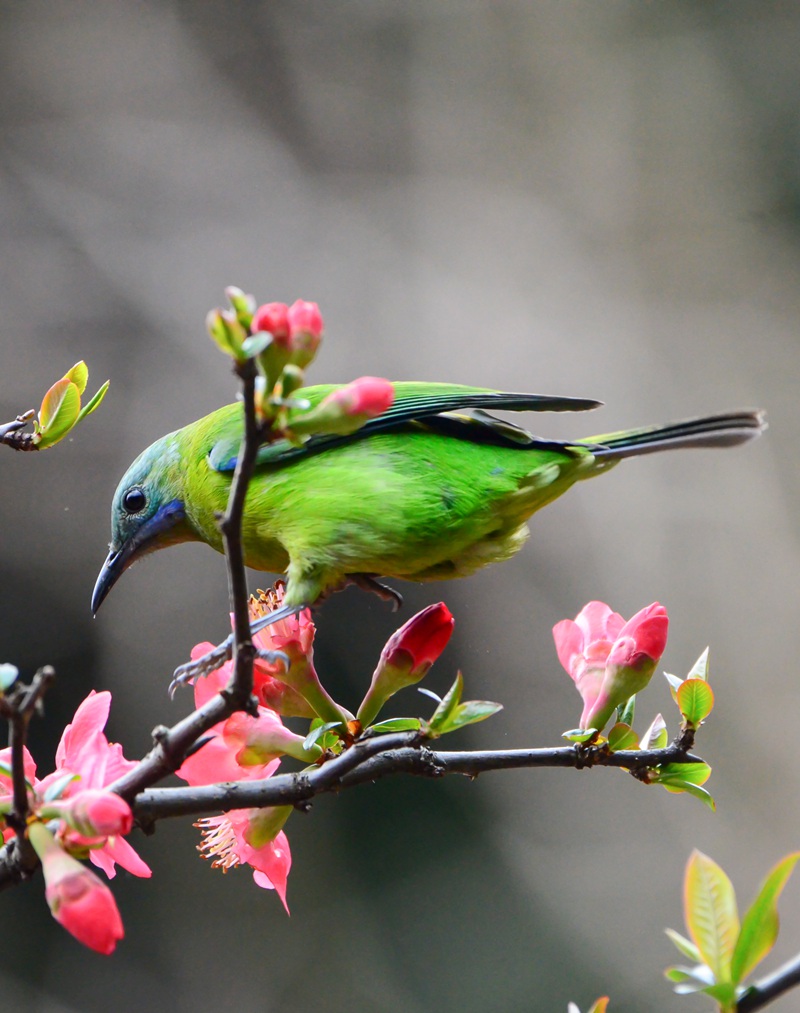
{"points": [[201, 667], [210, 662], [273, 658], [367, 582]]}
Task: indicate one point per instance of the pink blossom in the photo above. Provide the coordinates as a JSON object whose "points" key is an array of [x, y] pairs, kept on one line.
{"points": [[84, 750], [250, 837], [78, 899], [608, 659], [85, 753], [229, 839]]}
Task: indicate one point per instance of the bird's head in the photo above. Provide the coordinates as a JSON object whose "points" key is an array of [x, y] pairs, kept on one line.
{"points": [[147, 512]]}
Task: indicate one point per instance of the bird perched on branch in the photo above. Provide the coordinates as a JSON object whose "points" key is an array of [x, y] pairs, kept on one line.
{"points": [[431, 488]]}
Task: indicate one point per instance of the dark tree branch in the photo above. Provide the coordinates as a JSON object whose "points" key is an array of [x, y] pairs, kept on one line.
{"points": [[371, 759], [11, 433], [763, 992], [18, 708]]}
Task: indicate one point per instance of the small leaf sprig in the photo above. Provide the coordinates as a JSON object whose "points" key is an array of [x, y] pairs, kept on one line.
{"points": [[58, 415], [723, 950]]}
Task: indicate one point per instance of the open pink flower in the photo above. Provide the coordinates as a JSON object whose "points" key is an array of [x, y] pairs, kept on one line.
{"points": [[608, 659], [227, 843], [84, 750], [238, 837]]}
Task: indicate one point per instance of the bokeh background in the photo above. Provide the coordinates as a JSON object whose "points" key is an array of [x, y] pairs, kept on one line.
{"points": [[576, 197]]}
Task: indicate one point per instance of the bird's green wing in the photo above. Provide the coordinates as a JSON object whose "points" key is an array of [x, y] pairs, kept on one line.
{"points": [[415, 402]]}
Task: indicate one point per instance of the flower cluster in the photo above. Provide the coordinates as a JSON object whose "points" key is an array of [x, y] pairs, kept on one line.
{"points": [[91, 823]]}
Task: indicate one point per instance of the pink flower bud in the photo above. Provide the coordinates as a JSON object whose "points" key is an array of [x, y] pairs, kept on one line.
{"points": [[305, 331], [272, 317], [365, 397], [304, 318], [407, 656], [608, 659], [78, 899], [93, 813]]}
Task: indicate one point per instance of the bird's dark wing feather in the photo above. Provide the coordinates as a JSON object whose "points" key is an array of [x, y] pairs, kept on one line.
{"points": [[434, 409]]}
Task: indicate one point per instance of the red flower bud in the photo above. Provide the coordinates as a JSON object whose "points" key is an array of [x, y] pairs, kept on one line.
{"points": [[421, 640], [272, 317], [407, 656]]}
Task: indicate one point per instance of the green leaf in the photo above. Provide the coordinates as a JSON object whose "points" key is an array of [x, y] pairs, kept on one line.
{"points": [[59, 412], [79, 374], [256, 343], [579, 734], [626, 711], [656, 735], [760, 924], [94, 402], [318, 732], [8, 676], [676, 785], [686, 947], [5, 769], [675, 684], [694, 773], [710, 910], [395, 725], [471, 712], [444, 712], [688, 980], [622, 736], [695, 701], [700, 668]]}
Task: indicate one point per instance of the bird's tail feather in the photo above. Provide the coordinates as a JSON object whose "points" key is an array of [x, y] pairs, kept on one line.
{"points": [[726, 430]]}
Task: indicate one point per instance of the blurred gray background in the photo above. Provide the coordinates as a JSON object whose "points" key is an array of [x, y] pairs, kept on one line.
{"points": [[590, 198]]}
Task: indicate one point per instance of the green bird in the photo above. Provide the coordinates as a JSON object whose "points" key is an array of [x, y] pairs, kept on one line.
{"points": [[431, 489]]}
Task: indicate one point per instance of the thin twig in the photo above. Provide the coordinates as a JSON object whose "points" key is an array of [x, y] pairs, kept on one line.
{"points": [[241, 684], [11, 433], [763, 992], [18, 707]]}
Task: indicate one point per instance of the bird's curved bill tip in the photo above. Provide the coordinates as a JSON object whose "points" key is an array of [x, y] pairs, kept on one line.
{"points": [[107, 578]]}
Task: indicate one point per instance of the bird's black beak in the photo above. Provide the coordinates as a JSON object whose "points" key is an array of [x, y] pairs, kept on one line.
{"points": [[112, 570], [164, 528]]}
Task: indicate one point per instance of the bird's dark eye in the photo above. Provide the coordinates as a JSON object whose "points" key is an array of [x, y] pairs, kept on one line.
{"points": [[134, 500]]}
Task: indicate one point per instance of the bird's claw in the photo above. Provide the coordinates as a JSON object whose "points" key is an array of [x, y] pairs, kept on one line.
{"points": [[200, 667], [274, 658], [368, 583]]}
